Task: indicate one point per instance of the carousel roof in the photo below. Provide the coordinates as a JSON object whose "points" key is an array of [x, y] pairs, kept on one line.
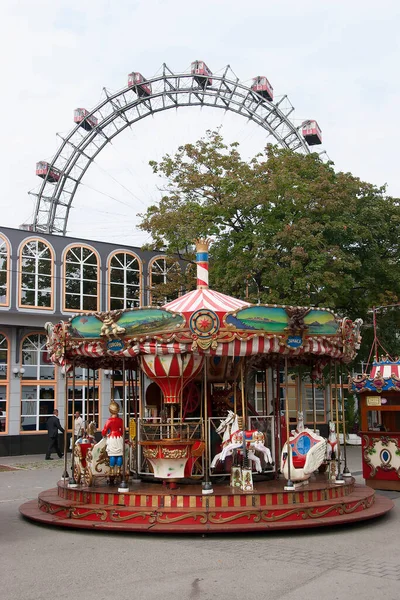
{"points": [[205, 298]]}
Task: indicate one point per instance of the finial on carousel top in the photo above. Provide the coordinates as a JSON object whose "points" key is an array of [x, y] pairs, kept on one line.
{"points": [[202, 245]]}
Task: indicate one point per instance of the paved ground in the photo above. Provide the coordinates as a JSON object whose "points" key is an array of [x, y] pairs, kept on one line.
{"points": [[40, 562]]}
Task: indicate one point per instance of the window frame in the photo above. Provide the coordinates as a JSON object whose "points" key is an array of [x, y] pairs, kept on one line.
{"points": [[7, 269], [165, 273], [125, 270], [36, 274], [81, 295]]}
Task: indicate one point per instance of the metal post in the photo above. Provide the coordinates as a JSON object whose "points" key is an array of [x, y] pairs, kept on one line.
{"points": [[289, 487], [207, 485], [314, 401], [65, 474], [300, 390], [72, 481], [87, 394], [346, 472], [277, 417], [136, 414], [339, 478], [243, 396], [123, 486], [94, 397]]}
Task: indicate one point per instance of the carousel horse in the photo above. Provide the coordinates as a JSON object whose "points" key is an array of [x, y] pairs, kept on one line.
{"points": [[331, 448], [224, 427], [307, 453], [253, 439]]}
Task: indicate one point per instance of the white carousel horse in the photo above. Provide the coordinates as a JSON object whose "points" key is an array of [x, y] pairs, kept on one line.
{"points": [[307, 453], [253, 439], [224, 427], [226, 439], [331, 448]]}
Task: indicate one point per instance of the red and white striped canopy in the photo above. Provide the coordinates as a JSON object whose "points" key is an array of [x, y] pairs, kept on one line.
{"points": [[252, 347], [205, 298], [387, 369]]}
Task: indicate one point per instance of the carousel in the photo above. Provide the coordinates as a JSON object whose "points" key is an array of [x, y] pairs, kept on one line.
{"points": [[203, 458]]}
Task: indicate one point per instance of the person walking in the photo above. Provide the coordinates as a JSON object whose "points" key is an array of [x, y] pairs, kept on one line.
{"points": [[53, 427]]}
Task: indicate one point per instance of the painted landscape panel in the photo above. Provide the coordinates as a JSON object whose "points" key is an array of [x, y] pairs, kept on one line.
{"points": [[321, 322], [274, 319], [143, 321], [269, 319]]}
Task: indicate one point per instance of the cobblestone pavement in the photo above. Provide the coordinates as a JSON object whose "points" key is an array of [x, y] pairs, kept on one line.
{"points": [[361, 561]]}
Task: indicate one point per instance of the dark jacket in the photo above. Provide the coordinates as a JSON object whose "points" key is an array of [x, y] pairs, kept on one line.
{"points": [[53, 426]]}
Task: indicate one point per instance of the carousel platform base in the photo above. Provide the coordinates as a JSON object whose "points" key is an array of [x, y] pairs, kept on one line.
{"points": [[150, 507]]}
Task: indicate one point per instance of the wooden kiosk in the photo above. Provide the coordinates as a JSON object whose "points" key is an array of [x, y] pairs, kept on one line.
{"points": [[379, 399]]}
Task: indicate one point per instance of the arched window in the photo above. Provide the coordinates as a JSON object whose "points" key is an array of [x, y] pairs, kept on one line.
{"points": [[4, 270], [164, 280], [38, 385], [81, 279], [3, 383], [124, 281], [36, 262]]}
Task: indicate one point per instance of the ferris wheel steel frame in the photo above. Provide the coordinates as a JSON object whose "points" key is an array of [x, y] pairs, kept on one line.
{"points": [[124, 108]]}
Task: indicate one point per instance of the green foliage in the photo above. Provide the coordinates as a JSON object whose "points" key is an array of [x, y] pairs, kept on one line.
{"points": [[286, 228], [352, 422]]}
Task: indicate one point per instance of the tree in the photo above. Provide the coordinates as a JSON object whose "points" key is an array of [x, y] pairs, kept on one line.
{"points": [[286, 228]]}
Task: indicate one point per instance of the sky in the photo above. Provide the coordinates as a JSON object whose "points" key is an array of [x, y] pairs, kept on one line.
{"points": [[337, 60]]}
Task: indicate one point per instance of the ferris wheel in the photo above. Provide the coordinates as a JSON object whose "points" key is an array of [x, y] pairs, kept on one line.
{"points": [[142, 97]]}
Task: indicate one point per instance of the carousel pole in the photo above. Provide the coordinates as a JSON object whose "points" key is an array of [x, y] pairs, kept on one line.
{"points": [[65, 475], [207, 485], [314, 401], [265, 393], [88, 394], [277, 418], [123, 486], [346, 472], [181, 393], [234, 397], [339, 477], [72, 481], [136, 413], [243, 396], [289, 487], [299, 390], [332, 468], [94, 396]]}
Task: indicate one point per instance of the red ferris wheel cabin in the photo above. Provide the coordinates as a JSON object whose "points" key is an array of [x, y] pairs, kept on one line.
{"points": [[311, 133], [43, 170], [262, 86], [137, 81], [201, 73], [82, 118]]}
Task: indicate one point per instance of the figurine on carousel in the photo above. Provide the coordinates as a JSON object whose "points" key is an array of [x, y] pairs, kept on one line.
{"points": [[113, 430]]}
